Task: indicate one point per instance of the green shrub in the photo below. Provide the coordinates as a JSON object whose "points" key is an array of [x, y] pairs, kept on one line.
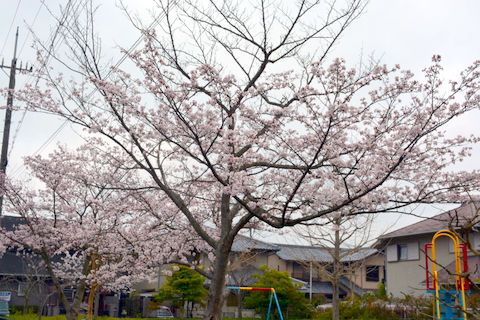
{"points": [[360, 309], [378, 307], [18, 309], [292, 302], [82, 316]]}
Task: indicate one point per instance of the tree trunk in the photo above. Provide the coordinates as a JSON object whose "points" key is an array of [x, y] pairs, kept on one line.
{"points": [[91, 300], [335, 275], [335, 302], [189, 308], [72, 310], [25, 305], [217, 291], [71, 314], [42, 301], [240, 304]]}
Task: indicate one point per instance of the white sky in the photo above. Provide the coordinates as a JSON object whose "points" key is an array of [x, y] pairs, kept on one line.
{"points": [[407, 32]]}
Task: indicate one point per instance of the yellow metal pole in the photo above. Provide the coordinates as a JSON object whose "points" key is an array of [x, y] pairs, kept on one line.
{"points": [[458, 269]]}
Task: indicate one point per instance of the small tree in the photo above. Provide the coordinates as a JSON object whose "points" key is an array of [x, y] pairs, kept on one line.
{"points": [[241, 268], [34, 283], [341, 236], [184, 287], [292, 302]]}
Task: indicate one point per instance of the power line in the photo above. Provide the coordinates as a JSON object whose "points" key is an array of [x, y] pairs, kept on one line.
{"points": [[53, 43], [8, 118], [33, 23], [70, 9], [11, 26]]}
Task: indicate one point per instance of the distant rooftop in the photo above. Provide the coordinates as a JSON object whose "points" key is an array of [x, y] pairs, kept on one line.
{"points": [[466, 213], [290, 252], [321, 254], [243, 244], [9, 222]]}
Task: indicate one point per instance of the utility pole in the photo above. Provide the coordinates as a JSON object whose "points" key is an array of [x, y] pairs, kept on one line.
{"points": [[8, 119]]}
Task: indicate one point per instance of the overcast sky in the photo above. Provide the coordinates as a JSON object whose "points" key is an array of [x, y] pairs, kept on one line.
{"points": [[407, 32]]}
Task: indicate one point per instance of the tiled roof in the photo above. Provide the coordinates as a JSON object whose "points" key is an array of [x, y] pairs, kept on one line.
{"points": [[449, 276], [303, 253], [351, 285], [9, 222], [243, 244], [320, 254], [243, 276], [360, 254], [320, 287], [13, 263], [455, 217]]}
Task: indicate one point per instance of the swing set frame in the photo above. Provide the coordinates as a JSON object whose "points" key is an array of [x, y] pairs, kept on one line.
{"points": [[273, 296]]}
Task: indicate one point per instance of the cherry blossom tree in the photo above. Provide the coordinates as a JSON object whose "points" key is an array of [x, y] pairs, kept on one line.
{"points": [[83, 224], [235, 111]]}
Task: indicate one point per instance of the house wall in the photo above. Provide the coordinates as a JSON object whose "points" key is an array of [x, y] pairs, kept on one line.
{"points": [[17, 286], [407, 275], [360, 274], [152, 285], [261, 259], [275, 263], [359, 271]]}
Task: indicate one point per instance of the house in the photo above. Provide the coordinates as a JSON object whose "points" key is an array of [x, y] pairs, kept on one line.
{"points": [[366, 270], [405, 248], [362, 268], [23, 281], [248, 254], [303, 263], [24, 278], [26, 282]]}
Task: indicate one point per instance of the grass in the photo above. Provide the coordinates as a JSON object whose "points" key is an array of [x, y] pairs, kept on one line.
{"points": [[31, 316], [63, 317]]}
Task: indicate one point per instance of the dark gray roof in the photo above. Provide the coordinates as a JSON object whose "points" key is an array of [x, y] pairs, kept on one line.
{"points": [[321, 254], [325, 287], [455, 217], [9, 222], [321, 287], [447, 274], [359, 254], [243, 276], [303, 253], [16, 264], [351, 285], [244, 244]]}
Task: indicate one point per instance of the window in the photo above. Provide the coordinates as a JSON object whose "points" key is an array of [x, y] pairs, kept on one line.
{"points": [[373, 273], [402, 252], [22, 287]]}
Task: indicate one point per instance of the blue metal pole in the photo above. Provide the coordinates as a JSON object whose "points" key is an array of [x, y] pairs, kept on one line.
{"points": [[278, 305], [270, 305]]}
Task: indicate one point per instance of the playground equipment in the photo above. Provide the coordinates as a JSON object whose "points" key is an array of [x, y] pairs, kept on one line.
{"points": [[445, 298], [272, 297]]}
